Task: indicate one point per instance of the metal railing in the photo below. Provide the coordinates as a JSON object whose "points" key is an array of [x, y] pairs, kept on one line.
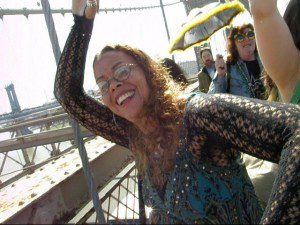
{"points": [[19, 153], [120, 201]]}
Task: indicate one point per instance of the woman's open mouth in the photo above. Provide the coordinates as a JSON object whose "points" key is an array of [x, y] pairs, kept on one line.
{"points": [[122, 98]]}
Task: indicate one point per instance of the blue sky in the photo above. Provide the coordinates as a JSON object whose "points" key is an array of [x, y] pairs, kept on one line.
{"points": [[27, 60]]}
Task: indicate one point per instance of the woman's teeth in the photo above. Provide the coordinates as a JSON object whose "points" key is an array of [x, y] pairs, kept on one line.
{"points": [[123, 97]]}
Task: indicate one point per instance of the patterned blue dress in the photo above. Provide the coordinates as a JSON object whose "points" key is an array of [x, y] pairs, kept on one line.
{"points": [[200, 193]]}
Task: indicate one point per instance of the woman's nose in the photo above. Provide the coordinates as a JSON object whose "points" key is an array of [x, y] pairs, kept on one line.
{"points": [[246, 38], [114, 84]]}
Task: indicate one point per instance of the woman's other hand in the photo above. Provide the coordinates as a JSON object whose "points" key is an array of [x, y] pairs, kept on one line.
{"points": [[220, 65]]}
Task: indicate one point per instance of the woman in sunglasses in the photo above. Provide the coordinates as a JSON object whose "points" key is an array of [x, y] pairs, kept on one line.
{"points": [[278, 39], [187, 148], [240, 75]]}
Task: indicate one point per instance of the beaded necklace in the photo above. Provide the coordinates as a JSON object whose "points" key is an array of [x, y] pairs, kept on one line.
{"points": [[246, 82]]}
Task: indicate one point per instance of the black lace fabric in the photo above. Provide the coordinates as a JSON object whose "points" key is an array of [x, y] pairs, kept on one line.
{"points": [[269, 131], [68, 88], [223, 124]]}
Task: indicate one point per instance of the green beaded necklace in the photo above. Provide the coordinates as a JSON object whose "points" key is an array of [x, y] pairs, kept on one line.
{"points": [[246, 81]]}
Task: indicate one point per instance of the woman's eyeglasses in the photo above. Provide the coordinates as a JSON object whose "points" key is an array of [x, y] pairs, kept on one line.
{"points": [[240, 37], [121, 73]]}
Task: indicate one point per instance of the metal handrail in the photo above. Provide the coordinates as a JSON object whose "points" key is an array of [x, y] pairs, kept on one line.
{"points": [[107, 195]]}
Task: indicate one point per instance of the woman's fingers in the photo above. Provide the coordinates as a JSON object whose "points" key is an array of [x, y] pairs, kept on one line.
{"points": [[220, 65]]}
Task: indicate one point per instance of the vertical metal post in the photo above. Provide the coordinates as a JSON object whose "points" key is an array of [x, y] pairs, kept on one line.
{"points": [[75, 125], [165, 21], [142, 213], [3, 162], [24, 152], [55, 151], [51, 30], [88, 174]]}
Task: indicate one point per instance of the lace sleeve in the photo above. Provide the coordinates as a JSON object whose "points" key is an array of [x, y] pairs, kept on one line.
{"points": [[269, 131], [68, 88]]}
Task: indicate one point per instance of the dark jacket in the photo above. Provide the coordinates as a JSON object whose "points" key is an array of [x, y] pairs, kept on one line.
{"points": [[204, 80]]}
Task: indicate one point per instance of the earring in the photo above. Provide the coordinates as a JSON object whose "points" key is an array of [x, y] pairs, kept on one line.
{"points": [[114, 119]]}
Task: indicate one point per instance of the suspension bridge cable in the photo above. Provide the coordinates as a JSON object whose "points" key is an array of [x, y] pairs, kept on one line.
{"points": [[26, 12]]}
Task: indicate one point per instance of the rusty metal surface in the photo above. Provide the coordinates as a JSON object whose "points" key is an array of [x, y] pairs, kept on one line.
{"points": [[54, 192], [32, 168]]}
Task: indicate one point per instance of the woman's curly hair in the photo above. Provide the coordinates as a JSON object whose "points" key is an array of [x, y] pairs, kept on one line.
{"points": [[174, 70], [268, 84], [164, 106], [233, 54]]}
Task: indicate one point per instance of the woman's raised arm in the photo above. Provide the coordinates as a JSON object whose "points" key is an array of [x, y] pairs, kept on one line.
{"points": [[68, 88], [269, 131], [280, 56]]}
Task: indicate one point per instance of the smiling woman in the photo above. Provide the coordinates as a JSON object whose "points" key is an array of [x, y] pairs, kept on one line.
{"points": [[186, 147], [242, 76], [123, 83]]}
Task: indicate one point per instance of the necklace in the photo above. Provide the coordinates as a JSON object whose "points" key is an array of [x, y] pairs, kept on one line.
{"points": [[246, 82], [158, 154]]}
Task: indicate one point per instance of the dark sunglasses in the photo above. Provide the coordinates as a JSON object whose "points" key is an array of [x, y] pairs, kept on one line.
{"points": [[240, 37]]}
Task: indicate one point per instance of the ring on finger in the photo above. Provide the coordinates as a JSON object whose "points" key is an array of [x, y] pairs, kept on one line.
{"points": [[91, 3]]}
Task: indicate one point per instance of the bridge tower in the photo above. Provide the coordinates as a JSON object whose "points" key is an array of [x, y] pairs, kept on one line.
{"points": [[13, 100]]}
